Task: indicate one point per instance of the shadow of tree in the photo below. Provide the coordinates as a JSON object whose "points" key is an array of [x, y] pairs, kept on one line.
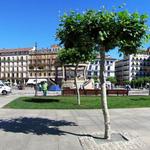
{"points": [[139, 99], [41, 100], [38, 126]]}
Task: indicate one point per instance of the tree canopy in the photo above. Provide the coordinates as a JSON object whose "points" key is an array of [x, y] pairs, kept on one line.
{"points": [[110, 29]]}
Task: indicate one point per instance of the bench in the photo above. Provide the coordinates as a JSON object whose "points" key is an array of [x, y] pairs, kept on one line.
{"points": [[118, 92], [68, 91]]}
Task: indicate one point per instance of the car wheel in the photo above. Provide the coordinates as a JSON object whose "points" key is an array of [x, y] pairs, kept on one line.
{"points": [[4, 92]]}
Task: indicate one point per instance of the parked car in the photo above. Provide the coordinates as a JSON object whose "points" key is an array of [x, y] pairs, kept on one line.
{"points": [[4, 89]]}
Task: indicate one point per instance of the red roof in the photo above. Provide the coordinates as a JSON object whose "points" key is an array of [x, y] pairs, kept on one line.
{"points": [[14, 50]]}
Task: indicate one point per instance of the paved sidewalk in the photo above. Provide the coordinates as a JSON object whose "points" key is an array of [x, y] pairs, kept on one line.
{"points": [[61, 129], [5, 99]]}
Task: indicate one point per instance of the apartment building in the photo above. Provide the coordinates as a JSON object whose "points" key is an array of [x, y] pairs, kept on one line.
{"points": [[14, 64], [20, 64], [93, 69], [133, 66], [42, 64]]}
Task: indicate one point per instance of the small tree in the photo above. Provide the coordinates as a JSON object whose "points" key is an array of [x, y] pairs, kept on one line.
{"points": [[103, 30], [78, 47], [114, 29], [74, 57]]}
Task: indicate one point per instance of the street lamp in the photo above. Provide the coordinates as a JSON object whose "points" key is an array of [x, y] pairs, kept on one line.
{"points": [[36, 69]]}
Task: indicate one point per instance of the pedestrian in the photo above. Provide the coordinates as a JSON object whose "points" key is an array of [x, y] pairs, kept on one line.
{"points": [[45, 88], [40, 87]]}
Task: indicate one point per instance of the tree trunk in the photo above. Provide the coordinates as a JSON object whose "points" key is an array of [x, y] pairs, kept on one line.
{"points": [[149, 88], [63, 72], [76, 84], [36, 65], [84, 74], [104, 105]]}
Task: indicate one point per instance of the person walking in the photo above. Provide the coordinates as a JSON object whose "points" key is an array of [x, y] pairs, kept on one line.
{"points": [[45, 88]]}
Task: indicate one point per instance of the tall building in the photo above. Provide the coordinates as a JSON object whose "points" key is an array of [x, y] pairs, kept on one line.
{"points": [[93, 69], [20, 64], [42, 64], [133, 66], [14, 64]]}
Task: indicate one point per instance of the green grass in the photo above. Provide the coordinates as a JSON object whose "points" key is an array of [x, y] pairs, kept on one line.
{"points": [[87, 102]]}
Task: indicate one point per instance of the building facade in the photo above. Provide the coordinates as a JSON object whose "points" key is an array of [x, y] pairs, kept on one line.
{"points": [[20, 64], [14, 64], [42, 64], [93, 69], [133, 66]]}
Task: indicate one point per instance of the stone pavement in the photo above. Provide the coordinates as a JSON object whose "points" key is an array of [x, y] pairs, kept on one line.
{"points": [[65, 129]]}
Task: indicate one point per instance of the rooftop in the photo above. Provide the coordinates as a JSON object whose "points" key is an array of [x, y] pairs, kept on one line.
{"points": [[4, 50]]}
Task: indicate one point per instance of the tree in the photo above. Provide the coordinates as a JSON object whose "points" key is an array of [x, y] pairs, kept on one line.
{"points": [[104, 30], [127, 82], [78, 46], [112, 80], [73, 56]]}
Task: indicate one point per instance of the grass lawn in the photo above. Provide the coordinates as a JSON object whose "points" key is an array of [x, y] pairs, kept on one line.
{"points": [[69, 102]]}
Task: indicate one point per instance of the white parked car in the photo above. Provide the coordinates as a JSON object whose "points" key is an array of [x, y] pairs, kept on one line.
{"points": [[4, 89]]}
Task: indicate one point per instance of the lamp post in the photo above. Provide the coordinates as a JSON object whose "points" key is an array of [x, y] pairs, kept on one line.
{"points": [[36, 69]]}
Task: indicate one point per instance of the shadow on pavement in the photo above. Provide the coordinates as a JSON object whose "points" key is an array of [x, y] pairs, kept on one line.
{"points": [[38, 126]]}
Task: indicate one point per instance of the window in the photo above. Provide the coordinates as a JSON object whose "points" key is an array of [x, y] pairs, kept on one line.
{"points": [[90, 67], [95, 73], [96, 68], [89, 73], [108, 68], [96, 62]]}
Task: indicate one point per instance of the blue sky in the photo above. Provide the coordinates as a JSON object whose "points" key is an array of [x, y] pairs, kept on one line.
{"points": [[24, 22]]}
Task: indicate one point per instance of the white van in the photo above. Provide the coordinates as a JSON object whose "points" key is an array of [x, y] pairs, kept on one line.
{"points": [[4, 89], [33, 81]]}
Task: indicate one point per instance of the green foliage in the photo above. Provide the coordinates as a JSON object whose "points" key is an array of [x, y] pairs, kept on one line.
{"points": [[140, 81], [71, 32], [74, 56], [78, 46], [103, 29], [112, 80], [127, 82], [96, 79]]}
